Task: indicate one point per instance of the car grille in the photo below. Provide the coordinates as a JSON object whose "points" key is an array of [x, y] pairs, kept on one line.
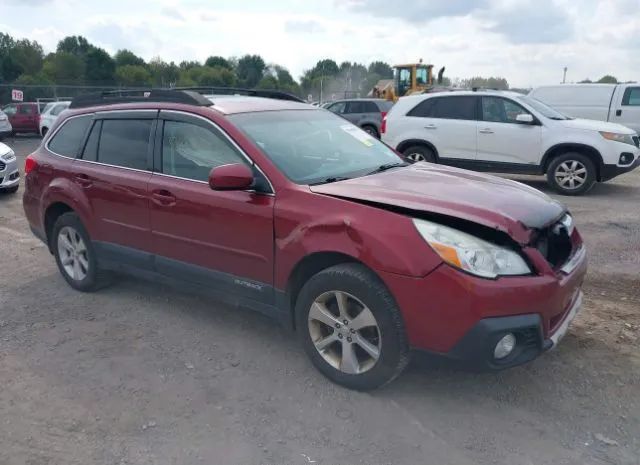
{"points": [[636, 140], [2, 166], [554, 243]]}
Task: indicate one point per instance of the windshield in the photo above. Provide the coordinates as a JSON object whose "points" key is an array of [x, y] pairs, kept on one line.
{"points": [[542, 108], [312, 147]]}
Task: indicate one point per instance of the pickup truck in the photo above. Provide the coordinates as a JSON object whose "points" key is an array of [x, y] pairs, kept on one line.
{"points": [[617, 103]]}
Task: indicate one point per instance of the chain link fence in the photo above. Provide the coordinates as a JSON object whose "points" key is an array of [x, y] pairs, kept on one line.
{"points": [[34, 92]]}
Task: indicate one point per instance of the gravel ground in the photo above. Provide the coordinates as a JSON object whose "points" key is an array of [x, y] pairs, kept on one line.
{"points": [[142, 374]]}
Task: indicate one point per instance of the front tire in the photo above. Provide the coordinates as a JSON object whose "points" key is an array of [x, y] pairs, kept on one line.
{"points": [[417, 153], [571, 174], [75, 255], [351, 327]]}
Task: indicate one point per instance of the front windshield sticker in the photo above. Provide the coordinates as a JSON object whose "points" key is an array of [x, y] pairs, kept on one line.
{"points": [[358, 134]]}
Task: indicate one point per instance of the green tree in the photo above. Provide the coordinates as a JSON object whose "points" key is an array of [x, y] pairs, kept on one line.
{"points": [[381, 68], [217, 62], [489, 83], [100, 67], [64, 68], [126, 57], [188, 65], [32, 93], [250, 70], [133, 76], [608, 79], [163, 74], [28, 55], [216, 77], [75, 45]]}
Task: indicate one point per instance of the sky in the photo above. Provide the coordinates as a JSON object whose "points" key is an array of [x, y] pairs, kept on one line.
{"points": [[529, 42]]}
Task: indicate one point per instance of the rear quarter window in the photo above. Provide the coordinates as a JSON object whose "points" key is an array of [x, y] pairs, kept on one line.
{"points": [[67, 140]]}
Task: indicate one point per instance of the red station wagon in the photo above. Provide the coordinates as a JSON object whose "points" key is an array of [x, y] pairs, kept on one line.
{"points": [[291, 210]]}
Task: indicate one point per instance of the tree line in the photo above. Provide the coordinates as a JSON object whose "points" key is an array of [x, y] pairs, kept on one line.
{"points": [[76, 62]]}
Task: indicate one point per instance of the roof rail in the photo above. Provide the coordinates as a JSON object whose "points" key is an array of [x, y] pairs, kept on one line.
{"points": [[266, 93], [140, 95], [476, 89]]}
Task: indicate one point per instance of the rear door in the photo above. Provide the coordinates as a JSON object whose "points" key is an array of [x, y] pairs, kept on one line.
{"points": [[114, 172], [216, 238], [24, 118], [449, 123], [502, 139], [355, 112], [626, 107]]}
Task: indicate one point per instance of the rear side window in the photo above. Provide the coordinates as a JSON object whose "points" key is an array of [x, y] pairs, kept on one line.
{"points": [[631, 96], [463, 108], [424, 109], [356, 107], [370, 107], [66, 141], [125, 142]]}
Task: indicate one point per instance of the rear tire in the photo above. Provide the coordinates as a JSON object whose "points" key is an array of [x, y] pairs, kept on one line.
{"points": [[371, 130], [571, 173], [369, 348], [75, 255], [417, 153]]}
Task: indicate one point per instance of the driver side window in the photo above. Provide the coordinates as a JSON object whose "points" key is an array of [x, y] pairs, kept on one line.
{"points": [[500, 110], [190, 151]]}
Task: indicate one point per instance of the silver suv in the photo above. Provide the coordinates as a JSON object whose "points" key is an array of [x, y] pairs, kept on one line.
{"points": [[365, 113]]}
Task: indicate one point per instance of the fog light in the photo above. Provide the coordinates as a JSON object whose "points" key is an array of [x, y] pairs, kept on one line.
{"points": [[626, 158], [505, 346]]}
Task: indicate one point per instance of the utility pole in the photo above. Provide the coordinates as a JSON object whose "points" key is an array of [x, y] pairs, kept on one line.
{"points": [[564, 76]]}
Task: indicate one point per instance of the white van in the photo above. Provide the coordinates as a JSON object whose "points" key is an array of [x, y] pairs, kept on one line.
{"points": [[617, 103]]}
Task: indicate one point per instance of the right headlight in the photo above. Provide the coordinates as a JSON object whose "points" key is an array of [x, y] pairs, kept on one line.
{"points": [[614, 136], [470, 253]]}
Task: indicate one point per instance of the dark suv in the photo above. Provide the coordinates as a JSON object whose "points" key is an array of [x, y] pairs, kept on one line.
{"points": [[286, 209]]}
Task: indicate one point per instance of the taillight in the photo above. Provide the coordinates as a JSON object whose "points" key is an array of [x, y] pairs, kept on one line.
{"points": [[383, 126], [30, 164]]}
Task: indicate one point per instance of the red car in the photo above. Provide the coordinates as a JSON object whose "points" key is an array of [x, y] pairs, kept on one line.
{"points": [[23, 116], [291, 210]]}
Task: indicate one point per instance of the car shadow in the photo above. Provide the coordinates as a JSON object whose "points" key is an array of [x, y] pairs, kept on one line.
{"points": [[600, 189]]}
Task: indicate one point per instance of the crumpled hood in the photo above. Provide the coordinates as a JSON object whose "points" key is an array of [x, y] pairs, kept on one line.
{"points": [[498, 203], [593, 125]]}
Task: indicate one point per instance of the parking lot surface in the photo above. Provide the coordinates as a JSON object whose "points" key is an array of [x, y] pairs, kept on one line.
{"points": [[143, 374]]}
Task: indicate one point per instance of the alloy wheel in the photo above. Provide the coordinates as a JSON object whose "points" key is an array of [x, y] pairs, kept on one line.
{"points": [[415, 157], [571, 174], [345, 332], [73, 253]]}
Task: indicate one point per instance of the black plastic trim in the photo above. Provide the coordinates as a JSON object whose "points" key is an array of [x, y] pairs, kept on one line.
{"points": [[492, 166], [611, 171]]}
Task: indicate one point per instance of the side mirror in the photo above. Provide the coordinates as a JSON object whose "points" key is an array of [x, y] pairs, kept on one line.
{"points": [[524, 118], [234, 177]]}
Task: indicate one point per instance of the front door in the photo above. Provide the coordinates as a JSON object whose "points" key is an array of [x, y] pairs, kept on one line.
{"points": [[216, 238], [114, 170], [625, 109], [502, 139]]}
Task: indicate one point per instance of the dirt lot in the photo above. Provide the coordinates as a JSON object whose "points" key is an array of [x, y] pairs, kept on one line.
{"points": [[141, 374]]}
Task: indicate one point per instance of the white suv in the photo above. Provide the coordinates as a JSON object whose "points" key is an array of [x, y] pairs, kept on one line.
{"points": [[507, 132]]}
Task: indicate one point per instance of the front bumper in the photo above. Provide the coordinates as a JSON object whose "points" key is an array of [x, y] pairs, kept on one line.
{"points": [[476, 348], [611, 171], [460, 316], [9, 175]]}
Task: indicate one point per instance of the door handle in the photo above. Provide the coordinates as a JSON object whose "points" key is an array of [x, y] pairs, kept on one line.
{"points": [[618, 112], [485, 131], [431, 126], [163, 197], [83, 180]]}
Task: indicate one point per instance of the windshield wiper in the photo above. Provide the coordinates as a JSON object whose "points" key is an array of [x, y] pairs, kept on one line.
{"points": [[388, 166], [330, 180]]}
